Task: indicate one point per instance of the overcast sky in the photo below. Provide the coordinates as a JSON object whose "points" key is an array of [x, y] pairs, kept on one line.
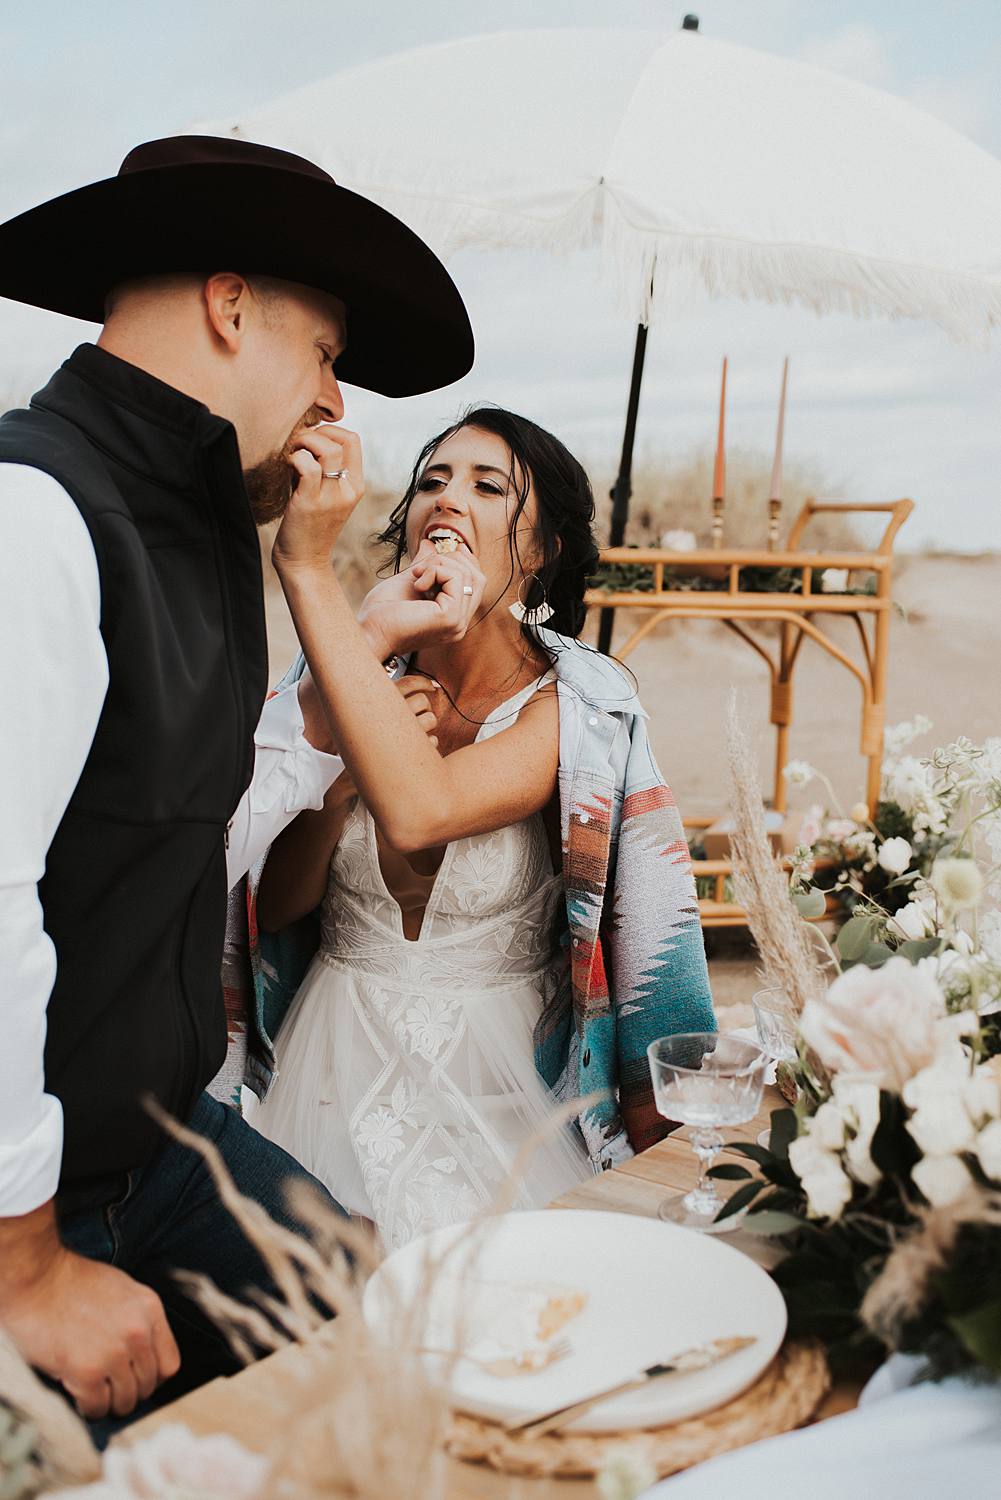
{"points": [[880, 409]]}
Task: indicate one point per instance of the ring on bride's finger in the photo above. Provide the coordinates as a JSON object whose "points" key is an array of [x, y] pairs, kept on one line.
{"points": [[334, 473], [467, 588]]}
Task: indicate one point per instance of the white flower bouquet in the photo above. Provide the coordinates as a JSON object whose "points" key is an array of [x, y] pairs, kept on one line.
{"points": [[884, 1182], [919, 875], [892, 1156]]}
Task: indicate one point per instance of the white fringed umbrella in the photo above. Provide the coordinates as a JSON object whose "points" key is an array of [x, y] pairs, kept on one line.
{"points": [[695, 165], [728, 170]]}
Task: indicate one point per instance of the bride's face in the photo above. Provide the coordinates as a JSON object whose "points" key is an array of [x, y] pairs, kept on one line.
{"points": [[470, 488]]}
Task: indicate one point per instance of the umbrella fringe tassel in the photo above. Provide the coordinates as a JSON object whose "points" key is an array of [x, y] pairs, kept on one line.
{"points": [[656, 274]]}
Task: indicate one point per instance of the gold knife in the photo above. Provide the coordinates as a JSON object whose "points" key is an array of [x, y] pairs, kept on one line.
{"points": [[699, 1358]]}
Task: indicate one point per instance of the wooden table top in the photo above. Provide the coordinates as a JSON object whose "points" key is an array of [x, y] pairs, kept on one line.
{"points": [[243, 1405]]}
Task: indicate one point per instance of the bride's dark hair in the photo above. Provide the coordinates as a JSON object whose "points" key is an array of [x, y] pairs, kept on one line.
{"points": [[565, 553]]}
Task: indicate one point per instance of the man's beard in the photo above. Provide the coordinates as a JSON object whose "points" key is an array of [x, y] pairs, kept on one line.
{"points": [[271, 483]]}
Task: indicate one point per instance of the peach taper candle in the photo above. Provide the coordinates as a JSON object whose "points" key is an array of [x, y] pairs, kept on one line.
{"points": [[775, 495], [719, 469]]}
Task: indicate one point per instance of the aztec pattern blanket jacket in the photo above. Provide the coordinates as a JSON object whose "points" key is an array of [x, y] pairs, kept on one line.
{"points": [[632, 963]]}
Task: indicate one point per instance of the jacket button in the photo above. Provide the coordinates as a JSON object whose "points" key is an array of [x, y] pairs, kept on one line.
{"points": [[584, 818], [593, 720], [587, 1056], [576, 942]]}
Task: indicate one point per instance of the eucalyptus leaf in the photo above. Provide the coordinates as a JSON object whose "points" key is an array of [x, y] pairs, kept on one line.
{"points": [[769, 1222], [784, 1129], [811, 903], [980, 1332], [729, 1171], [760, 1154], [740, 1199], [918, 948], [854, 938], [876, 955]]}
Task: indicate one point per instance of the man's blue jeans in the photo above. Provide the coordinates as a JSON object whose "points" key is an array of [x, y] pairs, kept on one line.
{"points": [[169, 1217]]}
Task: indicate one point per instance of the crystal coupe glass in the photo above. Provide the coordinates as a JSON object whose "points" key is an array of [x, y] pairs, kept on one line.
{"points": [[705, 1081], [777, 1025]]}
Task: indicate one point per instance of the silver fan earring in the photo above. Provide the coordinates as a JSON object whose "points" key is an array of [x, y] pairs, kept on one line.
{"points": [[537, 616]]}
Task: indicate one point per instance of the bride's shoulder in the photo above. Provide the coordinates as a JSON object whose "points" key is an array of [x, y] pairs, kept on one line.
{"points": [[597, 681]]}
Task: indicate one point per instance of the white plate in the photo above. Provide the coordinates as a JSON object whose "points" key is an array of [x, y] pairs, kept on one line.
{"points": [[653, 1289]]}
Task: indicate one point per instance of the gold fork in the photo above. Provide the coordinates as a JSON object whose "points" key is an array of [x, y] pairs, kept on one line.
{"points": [[527, 1362]]}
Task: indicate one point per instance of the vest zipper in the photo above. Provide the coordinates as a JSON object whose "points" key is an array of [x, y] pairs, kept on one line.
{"points": [[245, 770]]}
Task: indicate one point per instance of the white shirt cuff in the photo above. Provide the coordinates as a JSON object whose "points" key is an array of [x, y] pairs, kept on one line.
{"points": [[290, 775], [30, 1167], [292, 772]]}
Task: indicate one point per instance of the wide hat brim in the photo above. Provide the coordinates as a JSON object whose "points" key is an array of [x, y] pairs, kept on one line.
{"points": [[408, 330]]}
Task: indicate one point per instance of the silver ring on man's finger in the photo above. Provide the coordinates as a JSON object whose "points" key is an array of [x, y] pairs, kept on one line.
{"points": [[467, 588], [334, 473]]}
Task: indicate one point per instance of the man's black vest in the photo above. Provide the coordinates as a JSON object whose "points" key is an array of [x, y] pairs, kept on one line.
{"points": [[134, 892]]}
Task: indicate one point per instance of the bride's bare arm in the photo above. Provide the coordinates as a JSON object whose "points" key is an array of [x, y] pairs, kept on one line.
{"points": [[418, 799], [294, 879]]}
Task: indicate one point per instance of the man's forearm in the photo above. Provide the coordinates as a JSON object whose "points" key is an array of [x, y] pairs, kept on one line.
{"points": [[28, 1245]]}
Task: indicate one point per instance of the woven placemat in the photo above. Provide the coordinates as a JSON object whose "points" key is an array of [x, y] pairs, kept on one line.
{"points": [[785, 1396]]}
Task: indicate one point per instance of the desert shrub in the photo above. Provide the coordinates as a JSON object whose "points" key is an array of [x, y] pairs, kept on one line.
{"points": [[676, 493]]}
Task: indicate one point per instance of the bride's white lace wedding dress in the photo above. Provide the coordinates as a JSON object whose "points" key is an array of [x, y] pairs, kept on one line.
{"points": [[406, 1079]]}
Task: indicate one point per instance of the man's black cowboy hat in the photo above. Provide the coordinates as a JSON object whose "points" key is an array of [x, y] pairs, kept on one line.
{"points": [[206, 203]]}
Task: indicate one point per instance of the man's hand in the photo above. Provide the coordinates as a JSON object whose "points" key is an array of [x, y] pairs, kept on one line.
{"points": [[418, 692], [104, 1336], [434, 600], [320, 507]]}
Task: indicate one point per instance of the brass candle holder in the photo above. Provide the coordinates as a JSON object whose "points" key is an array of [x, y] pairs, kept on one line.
{"points": [[717, 525]]}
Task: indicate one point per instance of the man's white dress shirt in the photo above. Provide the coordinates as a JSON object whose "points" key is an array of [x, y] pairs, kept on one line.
{"points": [[54, 680]]}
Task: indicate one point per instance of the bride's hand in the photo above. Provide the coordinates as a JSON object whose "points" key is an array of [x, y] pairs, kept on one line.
{"points": [[435, 599]]}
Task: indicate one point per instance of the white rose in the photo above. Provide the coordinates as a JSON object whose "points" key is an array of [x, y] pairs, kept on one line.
{"points": [[942, 1127], [878, 1023], [942, 1179], [805, 1155], [895, 856], [834, 580], [679, 541], [943, 1079], [982, 1093], [827, 1186], [860, 812], [828, 1127], [859, 1106], [913, 921], [959, 1023], [989, 1150]]}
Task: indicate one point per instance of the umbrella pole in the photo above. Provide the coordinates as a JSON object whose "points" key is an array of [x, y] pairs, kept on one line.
{"points": [[623, 487]]}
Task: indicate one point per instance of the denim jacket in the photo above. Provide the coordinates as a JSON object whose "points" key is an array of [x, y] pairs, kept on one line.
{"points": [[632, 961]]}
